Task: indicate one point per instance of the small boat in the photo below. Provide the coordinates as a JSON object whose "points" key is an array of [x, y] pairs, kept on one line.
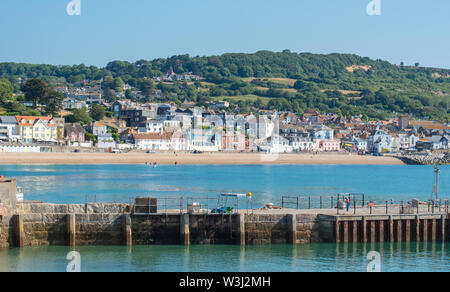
{"points": [[19, 194]]}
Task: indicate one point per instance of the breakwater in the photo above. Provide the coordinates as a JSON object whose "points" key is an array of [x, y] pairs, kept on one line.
{"points": [[111, 224], [39, 224], [426, 159]]}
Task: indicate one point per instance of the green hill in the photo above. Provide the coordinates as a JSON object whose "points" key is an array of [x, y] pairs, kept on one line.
{"points": [[342, 83]]}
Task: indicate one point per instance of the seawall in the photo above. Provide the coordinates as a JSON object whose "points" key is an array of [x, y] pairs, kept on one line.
{"points": [[112, 224], [37, 224]]}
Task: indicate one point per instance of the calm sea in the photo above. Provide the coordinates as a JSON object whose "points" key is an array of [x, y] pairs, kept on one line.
{"points": [[274, 258], [119, 183]]}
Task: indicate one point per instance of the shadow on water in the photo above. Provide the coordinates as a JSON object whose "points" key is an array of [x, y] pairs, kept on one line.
{"points": [[396, 257]]}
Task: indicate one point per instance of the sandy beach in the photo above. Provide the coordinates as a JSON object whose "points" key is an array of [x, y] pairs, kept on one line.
{"points": [[190, 159]]}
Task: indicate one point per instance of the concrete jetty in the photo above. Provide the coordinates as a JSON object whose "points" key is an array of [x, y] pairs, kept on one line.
{"points": [[38, 224]]}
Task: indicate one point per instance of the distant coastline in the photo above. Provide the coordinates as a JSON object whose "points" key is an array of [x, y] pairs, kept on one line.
{"points": [[194, 159]]}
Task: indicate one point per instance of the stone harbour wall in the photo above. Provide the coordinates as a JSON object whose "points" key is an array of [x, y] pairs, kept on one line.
{"points": [[6, 232], [40, 224], [277, 229]]}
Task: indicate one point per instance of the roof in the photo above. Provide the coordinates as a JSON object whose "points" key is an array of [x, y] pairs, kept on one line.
{"points": [[77, 128], [99, 124], [436, 127], [8, 120], [31, 121]]}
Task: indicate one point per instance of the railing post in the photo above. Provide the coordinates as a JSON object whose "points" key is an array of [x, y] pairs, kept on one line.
{"points": [[127, 232], [292, 221], [19, 234], [71, 229], [241, 230], [184, 228]]}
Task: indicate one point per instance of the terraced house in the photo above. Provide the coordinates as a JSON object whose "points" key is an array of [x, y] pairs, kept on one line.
{"points": [[37, 129]]}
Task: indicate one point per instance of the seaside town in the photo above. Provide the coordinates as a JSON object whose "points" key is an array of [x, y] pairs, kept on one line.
{"points": [[128, 124]]}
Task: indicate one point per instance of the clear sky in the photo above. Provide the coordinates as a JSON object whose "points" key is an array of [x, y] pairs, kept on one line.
{"points": [[40, 31]]}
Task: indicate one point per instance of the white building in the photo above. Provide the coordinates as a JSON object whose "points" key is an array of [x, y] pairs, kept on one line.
{"points": [[9, 128], [300, 144], [380, 142], [203, 140], [152, 126], [106, 142], [154, 141]]}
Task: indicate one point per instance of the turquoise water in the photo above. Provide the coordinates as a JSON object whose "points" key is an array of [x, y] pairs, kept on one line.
{"points": [[119, 183], [404, 257]]}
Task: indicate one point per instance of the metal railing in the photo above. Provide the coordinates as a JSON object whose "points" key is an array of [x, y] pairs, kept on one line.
{"points": [[358, 203], [163, 205], [303, 202]]}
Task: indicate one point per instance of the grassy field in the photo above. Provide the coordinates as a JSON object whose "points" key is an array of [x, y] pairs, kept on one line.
{"points": [[284, 81], [250, 97]]}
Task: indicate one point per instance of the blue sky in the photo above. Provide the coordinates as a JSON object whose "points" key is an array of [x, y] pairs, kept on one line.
{"points": [[40, 31]]}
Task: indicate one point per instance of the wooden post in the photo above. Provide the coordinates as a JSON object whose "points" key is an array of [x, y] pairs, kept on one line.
{"points": [[408, 230], [364, 229], [443, 228], [381, 230], [417, 228], [338, 234], [292, 222], [127, 233], [425, 230], [71, 229], [184, 226], [19, 234], [433, 230], [373, 231], [241, 229], [399, 231], [355, 231], [346, 231], [391, 229]]}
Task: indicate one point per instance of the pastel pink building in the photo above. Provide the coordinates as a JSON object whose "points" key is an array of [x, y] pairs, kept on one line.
{"points": [[328, 145]]}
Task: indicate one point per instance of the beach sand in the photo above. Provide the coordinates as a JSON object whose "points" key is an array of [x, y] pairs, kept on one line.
{"points": [[191, 159]]}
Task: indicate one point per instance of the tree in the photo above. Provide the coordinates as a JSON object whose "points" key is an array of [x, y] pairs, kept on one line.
{"points": [[79, 116], [35, 90], [53, 102], [146, 86], [128, 94], [97, 112], [417, 64], [118, 84], [6, 90]]}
